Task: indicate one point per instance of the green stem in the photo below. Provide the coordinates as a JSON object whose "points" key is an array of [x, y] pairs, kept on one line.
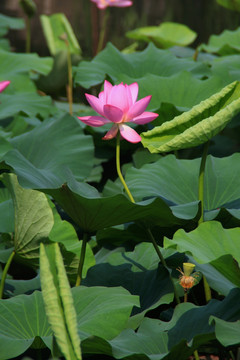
{"points": [[82, 258], [119, 169], [102, 31], [163, 261], [161, 258], [4, 274], [207, 289], [196, 355], [28, 35]]}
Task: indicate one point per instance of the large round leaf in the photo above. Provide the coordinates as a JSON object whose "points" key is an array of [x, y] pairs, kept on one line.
{"points": [[177, 182], [188, 329], [140, 273], [226, 43], [198, 125], [91, 212], [100, 311], [136, 65], [166, 35], [218, 242], [45, 156]]}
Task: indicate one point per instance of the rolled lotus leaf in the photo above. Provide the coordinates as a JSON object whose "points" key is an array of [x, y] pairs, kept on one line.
{"points": [[197, 125]]}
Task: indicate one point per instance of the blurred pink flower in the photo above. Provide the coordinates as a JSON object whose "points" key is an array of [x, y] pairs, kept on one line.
{"points": [[118, 105], [103, 4], [3, 85]]}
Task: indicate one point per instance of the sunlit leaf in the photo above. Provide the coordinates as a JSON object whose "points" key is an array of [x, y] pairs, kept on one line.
{"points": [[56, 26], [230, 4], [198, 125], [218, 241], [227, 42], [166, 35]]}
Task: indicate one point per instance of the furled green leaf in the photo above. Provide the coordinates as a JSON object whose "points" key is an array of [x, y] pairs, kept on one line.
{"points": [[227, 43], [33, 218], [218, 241], [196, 126], [230, 4], [56, 26], [58, 301], [44, 157], [136, 65], [166, 35]]}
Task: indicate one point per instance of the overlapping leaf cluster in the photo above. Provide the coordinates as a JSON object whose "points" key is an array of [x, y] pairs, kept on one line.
{"points": [[54, 189]]}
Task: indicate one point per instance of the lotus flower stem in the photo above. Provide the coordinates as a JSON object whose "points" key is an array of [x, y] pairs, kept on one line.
{"points": [[196, 355], [119, 169], [207, 289], [102, 31], [151, 237], [82, 258], [4, 274]]}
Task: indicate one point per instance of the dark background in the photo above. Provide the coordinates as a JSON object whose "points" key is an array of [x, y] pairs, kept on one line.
{"points": [[205, 17]]}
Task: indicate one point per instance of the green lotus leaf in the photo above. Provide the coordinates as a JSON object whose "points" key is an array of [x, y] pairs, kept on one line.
{"points": [[6, 212], [218, 241], [7, 22], [175, 180], [58, 301], [28, 103], [188, 329], [198, 125], [43, 157], [33, 218], [164, 36], [91, 212], [100, 312], [230, 4], [152, 60], [227, 333], [188, 91], [227, 43], [140, 273], [56, 26], [13, 63]]}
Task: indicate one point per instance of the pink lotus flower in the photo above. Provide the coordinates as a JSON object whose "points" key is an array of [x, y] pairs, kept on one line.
{"points": [[117, 104], [3, 85], [103, 4]]}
